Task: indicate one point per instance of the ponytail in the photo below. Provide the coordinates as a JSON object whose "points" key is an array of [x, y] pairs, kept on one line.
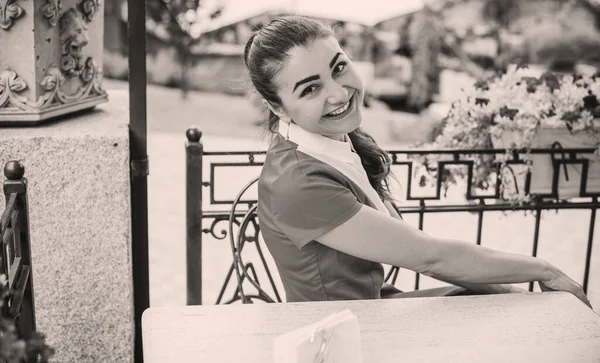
{"points": [[375, 161]]}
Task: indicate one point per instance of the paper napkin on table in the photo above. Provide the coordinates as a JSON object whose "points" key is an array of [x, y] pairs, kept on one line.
{"points": [[334, 339]]}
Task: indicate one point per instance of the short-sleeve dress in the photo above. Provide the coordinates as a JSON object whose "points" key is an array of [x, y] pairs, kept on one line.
{"points": [[299, 199]]}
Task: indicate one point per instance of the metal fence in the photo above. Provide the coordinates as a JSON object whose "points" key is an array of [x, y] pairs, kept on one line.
{"points": [[15, 260], [207, 207]]}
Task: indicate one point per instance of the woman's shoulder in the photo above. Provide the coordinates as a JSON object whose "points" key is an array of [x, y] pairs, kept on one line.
{"points": [[287, 167]]}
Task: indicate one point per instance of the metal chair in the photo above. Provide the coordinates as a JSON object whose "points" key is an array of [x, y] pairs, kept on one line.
{"points": [[246, 271]]}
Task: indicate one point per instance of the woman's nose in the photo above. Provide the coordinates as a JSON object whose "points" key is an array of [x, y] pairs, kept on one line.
{"points": [[337, 94]]}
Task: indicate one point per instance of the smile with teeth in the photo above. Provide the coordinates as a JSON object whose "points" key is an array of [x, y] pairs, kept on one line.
{"points": [[339, 110]]}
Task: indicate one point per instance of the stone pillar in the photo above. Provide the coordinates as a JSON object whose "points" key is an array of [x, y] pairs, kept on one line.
{"points": [[50, 58], [79, 209]]}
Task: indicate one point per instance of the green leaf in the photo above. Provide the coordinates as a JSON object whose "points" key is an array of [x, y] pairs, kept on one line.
{"points": [[508, 112], [590, 102], [551, 80], [482, 101]]}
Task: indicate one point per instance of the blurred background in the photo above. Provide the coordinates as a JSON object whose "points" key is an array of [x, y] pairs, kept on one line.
{"points": [[414, 56]]}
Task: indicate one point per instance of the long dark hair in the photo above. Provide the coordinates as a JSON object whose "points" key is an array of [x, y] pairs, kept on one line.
{"points": [[267, 50]]}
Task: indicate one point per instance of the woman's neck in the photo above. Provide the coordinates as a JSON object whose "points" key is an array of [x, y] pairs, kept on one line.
{"points": [[337, 137]]}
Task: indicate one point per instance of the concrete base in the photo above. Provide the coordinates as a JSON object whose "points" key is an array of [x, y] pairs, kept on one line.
{"points": [[79, 210]]}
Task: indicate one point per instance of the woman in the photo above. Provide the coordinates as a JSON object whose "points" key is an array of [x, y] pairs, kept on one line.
{"points": [[325, 211]]}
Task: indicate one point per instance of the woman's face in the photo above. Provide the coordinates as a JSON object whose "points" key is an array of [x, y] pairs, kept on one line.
{"points": [[320, 89]]}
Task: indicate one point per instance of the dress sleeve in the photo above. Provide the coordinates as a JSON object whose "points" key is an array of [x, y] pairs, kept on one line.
{"points": [[309, 202]]}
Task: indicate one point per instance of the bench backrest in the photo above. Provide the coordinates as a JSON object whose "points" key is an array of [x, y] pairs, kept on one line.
{"points": [[208, 206]]}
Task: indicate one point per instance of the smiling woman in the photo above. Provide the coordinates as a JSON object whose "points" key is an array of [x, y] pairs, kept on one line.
{"points": [[325, 211]]}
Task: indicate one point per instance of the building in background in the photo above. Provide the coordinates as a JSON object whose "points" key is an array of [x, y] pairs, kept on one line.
{"points": [[474, 36]]}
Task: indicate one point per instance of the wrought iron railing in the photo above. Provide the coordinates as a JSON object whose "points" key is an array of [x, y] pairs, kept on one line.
{"points": [[15, 260], [207, 208]]}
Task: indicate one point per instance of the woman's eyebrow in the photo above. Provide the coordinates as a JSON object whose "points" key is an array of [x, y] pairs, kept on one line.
{"points": [[316, 77], [335, 57], [307, 79]]}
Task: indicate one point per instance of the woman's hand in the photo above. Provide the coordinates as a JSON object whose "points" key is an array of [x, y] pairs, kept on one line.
{"points": [[562, 282]]}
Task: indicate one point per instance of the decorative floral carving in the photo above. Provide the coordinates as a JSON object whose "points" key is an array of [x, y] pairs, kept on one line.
{"points": [[9, 12], [11, 85], [53, 79], [89, 70], [73, 38], [51, 10], [89, 8]]}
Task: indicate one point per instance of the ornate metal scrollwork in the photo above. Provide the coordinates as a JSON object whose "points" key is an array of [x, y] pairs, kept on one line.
{"points": [[9, 12], [212, 229], [250, 234], [51, 11]]}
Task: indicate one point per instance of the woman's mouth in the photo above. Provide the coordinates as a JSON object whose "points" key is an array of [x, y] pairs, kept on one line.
{"points": [[343, 110]]}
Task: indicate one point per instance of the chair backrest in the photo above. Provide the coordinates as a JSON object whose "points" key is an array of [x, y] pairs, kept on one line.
{"points": [[244, 218], [15, 258]]}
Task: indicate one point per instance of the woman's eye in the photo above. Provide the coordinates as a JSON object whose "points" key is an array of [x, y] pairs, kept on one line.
{"points": [[339, 68], [308, 90]]}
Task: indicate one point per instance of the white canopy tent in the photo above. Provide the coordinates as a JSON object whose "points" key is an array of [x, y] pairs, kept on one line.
{"points": [[363, 12]]}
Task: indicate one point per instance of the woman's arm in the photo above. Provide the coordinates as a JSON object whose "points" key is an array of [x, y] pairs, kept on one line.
{"points": [[479, 288], [376, 237]]}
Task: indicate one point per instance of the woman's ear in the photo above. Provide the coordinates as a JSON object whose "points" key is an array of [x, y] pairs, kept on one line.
{"points": [[276, 110]]}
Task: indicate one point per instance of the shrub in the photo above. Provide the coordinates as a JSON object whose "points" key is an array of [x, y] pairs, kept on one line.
{"points": [[13, 349]]}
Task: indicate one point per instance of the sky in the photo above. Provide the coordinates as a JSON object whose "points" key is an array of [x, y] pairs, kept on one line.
{"points": [[364, 11]]}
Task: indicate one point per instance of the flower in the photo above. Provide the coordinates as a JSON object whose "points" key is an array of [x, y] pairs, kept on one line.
{"points": [[512, 107]]}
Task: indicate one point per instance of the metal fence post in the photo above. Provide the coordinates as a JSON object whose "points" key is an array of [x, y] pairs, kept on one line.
{"points": [[16, 183], [194, 150], [136, 30]]}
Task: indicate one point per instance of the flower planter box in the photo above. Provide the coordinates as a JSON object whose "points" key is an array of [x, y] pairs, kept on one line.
{"points": [[542, 171], [50, 58]]}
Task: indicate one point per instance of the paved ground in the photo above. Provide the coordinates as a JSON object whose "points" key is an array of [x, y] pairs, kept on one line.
{"points": [[226, 125]]}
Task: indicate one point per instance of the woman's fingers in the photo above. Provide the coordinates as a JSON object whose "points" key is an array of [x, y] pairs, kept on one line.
{"points": [[566, 285], [583, 297], [545, 287], [517, 290]]}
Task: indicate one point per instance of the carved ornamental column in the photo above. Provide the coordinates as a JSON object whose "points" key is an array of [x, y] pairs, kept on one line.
{"points": [[50, 58]]}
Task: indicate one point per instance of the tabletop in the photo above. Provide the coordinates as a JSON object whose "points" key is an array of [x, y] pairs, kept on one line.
{"points": [[537, 327]]}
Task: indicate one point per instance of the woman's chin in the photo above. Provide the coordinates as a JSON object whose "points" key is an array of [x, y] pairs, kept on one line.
{"points": [[353, 121]]}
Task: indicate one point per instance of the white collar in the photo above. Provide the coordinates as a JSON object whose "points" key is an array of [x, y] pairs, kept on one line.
{"points": [[338, 154], [341, 150]]}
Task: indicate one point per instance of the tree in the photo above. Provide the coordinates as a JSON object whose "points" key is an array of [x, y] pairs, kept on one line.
{"points": [[425, 70], [183, 21], [500, 14]]}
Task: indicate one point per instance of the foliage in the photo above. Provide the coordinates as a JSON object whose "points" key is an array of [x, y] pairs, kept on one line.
{"points": [[184, 22], [550, 43], [425, 68], [181, 18], [12, 348], [501, 12], [518, 105]]}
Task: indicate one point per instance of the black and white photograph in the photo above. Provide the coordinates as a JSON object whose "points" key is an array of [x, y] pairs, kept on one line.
{"points": [[299, 181]]}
